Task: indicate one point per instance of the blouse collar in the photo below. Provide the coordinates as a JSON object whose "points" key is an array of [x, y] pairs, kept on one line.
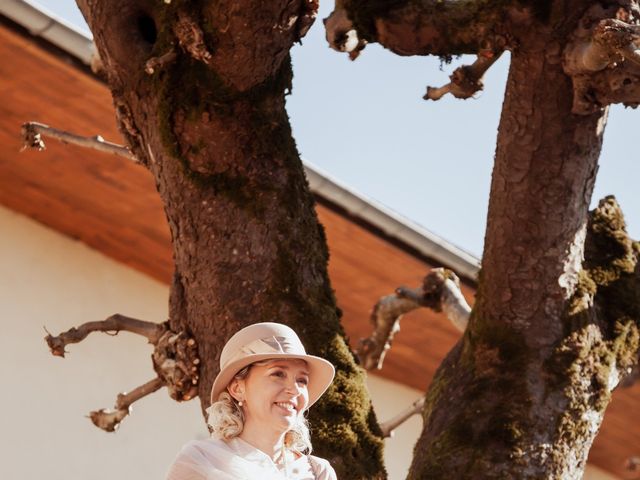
{"points": [[252, 454]]}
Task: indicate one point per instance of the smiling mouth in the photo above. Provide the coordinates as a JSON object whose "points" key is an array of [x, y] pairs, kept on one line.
{"points": [[289, 407]]}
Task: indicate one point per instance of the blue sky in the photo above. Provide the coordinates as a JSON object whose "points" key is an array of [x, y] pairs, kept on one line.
{"points": [[365, 124]]}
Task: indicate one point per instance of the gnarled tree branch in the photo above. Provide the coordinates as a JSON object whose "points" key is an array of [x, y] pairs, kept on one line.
{"points": [[611, 282], [608, 43], [439, 28], [446, 284], [115, 323], [432, 27], [342, 35], [175, 361], [32, 133], [154, 63], [109, 420], [440, 291], [390, 425], [603, 60], [466, 81], [385, 317]]}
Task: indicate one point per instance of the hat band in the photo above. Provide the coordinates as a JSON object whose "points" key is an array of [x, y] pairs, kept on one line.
{"points": [[275, 345]]}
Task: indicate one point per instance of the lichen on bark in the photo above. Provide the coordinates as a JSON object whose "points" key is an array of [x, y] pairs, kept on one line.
{"points": [[608, 292], [602, 323]]}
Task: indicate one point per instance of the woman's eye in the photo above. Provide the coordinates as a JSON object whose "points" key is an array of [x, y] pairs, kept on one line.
{"points": [[278, 373], [303, 381]]}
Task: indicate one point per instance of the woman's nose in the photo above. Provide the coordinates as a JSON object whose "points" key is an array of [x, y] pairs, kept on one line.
{"points": [[293, 387]]}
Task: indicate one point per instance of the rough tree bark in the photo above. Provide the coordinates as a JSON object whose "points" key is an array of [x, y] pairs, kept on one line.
{"points": [[209, 123], [523, 393], [199, 92]]}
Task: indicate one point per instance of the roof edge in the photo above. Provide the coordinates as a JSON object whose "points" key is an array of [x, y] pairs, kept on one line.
{"points": [[392, 223], [44, 24]]}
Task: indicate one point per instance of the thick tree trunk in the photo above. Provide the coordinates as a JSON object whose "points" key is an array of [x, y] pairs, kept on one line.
{"points": [[523, 393], [508, 423], [212, 128], [532, 377]]}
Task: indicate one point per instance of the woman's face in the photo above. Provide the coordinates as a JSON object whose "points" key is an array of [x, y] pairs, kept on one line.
{"points": [[273, 394]]}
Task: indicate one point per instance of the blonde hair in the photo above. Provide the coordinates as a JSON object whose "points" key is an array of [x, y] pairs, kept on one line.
{"points": [[226, 419]]}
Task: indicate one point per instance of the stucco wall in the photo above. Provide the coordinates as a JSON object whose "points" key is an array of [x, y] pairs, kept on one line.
{"points": [[48, 280]]}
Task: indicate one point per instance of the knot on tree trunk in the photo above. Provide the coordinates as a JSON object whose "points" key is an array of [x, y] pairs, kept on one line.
{"points": [[175, 360], [603, 58], [433, 285], [191, 38]]}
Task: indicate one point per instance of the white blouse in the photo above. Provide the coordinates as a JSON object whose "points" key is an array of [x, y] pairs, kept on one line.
{"points": [[215, 459]]}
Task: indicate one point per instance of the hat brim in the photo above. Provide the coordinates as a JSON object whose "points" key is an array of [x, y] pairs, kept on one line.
{"points": [[321, 373]]}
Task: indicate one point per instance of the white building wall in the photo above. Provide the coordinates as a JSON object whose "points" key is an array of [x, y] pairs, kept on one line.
{"points": [[49, 280]]}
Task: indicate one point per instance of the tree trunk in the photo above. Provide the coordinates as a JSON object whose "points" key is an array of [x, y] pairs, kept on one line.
{"points": [[531, 378], [507, 424], [523, 393], [211, 126]]}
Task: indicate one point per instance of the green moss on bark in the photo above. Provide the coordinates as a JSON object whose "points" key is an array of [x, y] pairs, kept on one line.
{"points": [[190, 89], [344, 427], [343, 422], [601, 323], [611, 262], [484, 377]]}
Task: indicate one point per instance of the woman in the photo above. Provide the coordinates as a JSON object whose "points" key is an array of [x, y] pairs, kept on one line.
{"points": [[266, 383]]}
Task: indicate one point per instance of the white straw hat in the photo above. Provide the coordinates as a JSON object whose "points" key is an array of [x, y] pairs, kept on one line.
{"points": [[264, 341]]}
